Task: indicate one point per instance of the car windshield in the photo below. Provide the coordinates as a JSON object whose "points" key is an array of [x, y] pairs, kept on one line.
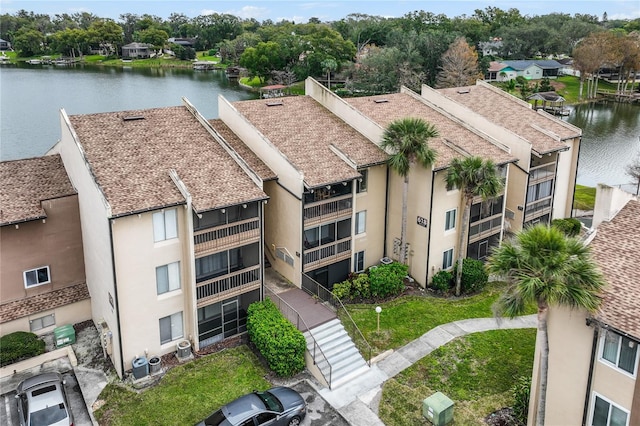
{"points": [[49, 415], [215, 419], [270, 401]]}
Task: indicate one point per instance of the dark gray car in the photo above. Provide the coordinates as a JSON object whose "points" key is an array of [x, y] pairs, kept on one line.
{"points": [[279, 406], [42, 401]]}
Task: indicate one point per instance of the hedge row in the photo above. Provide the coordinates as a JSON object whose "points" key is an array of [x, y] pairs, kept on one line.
{"points": [[279, 341], [20, 345]]}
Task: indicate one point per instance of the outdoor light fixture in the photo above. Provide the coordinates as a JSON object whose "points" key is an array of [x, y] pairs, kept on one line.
{"points": [[378, 310]]}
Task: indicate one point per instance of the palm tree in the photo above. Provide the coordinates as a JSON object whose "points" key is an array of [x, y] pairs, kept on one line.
{"points": [[475, 177], [545, 267], [407, 141]]}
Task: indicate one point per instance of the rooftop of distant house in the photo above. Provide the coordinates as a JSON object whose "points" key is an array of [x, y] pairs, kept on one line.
{"points": [[304, 131], [615, 248], [454, 140], [543, 131], [131, 154], [26, 183]]}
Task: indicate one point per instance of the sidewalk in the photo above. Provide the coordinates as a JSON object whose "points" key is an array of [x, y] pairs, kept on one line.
{"points": [[358, 401]]}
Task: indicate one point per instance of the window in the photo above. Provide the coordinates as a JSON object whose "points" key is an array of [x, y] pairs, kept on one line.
{"points": [[539, 191], [42, 322], [358, 261], [168, 277], [450, 220], [447, 259], [171, 328], [362, 182], [36, 276], [620, 351], [606, 413], [165, 225], [361, 222]]}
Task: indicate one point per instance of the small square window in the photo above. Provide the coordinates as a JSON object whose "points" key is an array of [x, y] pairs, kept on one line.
{"points": [[165, 225], [168, 277], [171, 328], [450, 220], [361, 222], [358, 261], [42, 322], [620, 351], [447, 259], [362, 182], [36, 276]]}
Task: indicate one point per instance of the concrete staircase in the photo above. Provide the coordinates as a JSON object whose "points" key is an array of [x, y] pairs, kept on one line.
{"points": [[344, 360]]}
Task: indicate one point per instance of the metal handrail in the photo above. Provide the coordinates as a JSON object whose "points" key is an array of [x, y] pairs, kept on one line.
{"points": [[298, 320], [335, 301]]}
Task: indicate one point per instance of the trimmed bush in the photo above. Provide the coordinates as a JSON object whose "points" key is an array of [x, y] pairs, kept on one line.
{"points": [[442, 281], [569, 226], [474, 276], [20, 345], [342, 290], [279, 341], [387, 280], [520, 391]]}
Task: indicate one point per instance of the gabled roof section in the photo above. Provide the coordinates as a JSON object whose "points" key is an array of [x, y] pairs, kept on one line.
{"points": [[524, 64], [26, 183], [303, 131], [544, 131], [454, 140], [132, 153], [615, 248], [243, 150]]}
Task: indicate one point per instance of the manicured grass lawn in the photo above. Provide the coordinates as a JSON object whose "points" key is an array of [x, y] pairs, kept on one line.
{"points": [[187, 393], [585, 198], [407, 318], [476, 371]]}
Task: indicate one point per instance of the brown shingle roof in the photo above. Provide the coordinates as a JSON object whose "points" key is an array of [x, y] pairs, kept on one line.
{"points": [[508, 112], [256, 164], [451, 133], [131, 160], [25, 183], [303, 131], [616, 249], [42, 302]]}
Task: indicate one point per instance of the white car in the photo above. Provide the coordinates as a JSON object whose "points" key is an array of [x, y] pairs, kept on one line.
{"points": [[42, 401]]}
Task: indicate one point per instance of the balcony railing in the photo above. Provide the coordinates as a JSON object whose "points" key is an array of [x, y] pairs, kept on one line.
{"points": [[219, 237], [537, 208], [327, 210], [486, 227], [329, 253], [228, 285], [543, 172]]}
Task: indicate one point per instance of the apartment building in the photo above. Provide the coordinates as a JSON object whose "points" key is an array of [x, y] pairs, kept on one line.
{"points": [[593, 359], [172, 220], [42, 277]]}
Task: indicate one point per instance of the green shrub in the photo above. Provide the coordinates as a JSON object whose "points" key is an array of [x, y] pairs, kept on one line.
{"points": [[20, 345], [442, 281], [569, 226], [520, 391], [342, 290], [279, 341], [387, 280], [212, 52], [474, 276], [361, 286]]}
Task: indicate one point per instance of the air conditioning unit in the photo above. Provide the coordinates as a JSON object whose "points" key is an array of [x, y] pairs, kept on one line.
{"points": [[183, 349], [438, 409]]}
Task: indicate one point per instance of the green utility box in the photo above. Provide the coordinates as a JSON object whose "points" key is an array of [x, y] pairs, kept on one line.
{"points": [[438, 409], [64, 335]]}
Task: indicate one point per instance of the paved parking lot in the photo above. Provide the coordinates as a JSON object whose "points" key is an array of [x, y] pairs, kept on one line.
{"points": [[319, 412]]}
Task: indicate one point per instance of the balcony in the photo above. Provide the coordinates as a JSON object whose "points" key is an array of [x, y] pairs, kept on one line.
{"points": [[327, 254], [210, 240], [485, 227], [229, 285], [331, 209], [537, 208], [542, 173]]}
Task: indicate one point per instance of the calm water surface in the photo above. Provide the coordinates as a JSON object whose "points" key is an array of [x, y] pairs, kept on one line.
{"points": [[32, 96]]}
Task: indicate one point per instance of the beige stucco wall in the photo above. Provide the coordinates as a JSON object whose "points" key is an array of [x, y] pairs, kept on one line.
{"points": [[94, 214], [68, 314], [136, 257], [373, 201], [516, 196], [609, 201], [565, 181], [55, 242], [283, 228], [612, 383]]}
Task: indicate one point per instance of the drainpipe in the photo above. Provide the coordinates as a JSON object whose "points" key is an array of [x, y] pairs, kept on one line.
{"points": [[594, 347], [386, 215], [115, 296], [433, 184]]}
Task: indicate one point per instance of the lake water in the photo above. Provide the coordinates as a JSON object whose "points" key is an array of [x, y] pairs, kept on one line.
{"points": [[31, 98]]}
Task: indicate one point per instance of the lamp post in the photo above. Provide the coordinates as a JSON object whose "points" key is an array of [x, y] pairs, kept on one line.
{"points": [[378, 310]]}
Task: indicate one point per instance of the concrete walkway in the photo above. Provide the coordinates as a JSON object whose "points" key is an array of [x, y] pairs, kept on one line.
{"points": [[358, 400]]}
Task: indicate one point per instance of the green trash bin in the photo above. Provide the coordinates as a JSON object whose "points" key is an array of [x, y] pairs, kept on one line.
{"points": [[64, 335], [438, 409]]}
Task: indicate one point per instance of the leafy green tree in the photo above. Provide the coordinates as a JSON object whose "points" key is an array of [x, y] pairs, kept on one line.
{"points": [[407, 140], [28, 41], [70, 41], [106, 34], [329, 65], [459, 65], [474, 177], [154, 36], [545, 267], [363, 29], [261, 60], [216, 27]]}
